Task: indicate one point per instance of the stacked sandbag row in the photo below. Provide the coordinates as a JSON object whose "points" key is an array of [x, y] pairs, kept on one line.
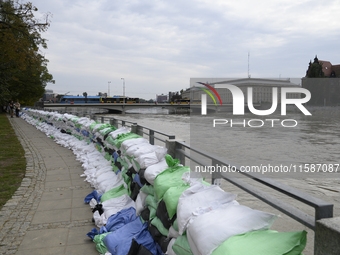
{"points": [[145, 202]]}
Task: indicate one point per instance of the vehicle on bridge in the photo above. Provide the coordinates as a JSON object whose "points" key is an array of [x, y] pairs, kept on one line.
{"points": [[79, 99], [120, 100], [181, 101], [98, 99]]}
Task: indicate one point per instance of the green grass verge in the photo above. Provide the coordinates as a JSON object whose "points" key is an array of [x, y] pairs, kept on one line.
{"points": [[12, 161]]}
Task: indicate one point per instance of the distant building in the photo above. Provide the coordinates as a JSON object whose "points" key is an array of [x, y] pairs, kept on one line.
{"points": [[101, 94], [49, 96], [322, 68], [323, 82], [161, 98]]}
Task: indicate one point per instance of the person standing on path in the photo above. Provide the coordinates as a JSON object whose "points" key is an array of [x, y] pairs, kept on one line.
{"points": [[17, 108], [11, 108]]}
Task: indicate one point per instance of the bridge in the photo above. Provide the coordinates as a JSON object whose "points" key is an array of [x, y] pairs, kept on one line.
{"points": [[119, 108]]}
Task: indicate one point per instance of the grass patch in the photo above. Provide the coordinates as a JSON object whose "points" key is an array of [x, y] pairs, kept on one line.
{"points": [[12, 161]]}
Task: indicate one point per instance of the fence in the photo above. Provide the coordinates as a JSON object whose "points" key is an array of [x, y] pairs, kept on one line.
{"points": [[181, 151]]}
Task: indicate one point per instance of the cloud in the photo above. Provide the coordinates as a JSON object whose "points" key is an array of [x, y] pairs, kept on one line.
{"points": [[158, 45]]}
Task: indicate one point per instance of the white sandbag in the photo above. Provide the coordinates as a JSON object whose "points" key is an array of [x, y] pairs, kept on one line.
{"points": [[144, 148], [114, 205], [147, 160], [152, 171], [173, 233], [140, 202], [199, 195], [220, 224], [106, 176], [99, 220], [121, 130], [169, 250], [131, 142], [161, 152]]}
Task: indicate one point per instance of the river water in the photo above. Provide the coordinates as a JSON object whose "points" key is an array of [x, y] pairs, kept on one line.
{"points": [[314, 140]]}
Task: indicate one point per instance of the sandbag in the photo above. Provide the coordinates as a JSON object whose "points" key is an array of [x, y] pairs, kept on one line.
{"points": [[100, 245], [138, 249], [140, 202], [169, 250], [163, 215], [119, 219], [181, 246], [147, 160], [222, 223], [171, 198], [152, 171], [199, 195], [115, 192], [128, 143], [266, 242], [119, 241], [171, 177]]}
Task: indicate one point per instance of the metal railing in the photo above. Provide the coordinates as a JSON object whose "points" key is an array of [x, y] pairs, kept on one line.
{"points": [[322, 209], [181, 151], [138, 129]]}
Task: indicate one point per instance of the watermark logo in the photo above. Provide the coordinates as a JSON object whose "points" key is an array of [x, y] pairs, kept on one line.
{"points": [[238, 104], [208, 92], [239, 101]]}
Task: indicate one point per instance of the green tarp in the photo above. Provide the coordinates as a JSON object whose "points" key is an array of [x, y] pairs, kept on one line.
{"points": [[113, 193], [267, 242]]}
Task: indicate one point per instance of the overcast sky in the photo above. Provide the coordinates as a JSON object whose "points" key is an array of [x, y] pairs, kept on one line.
{"points": [[158, 45]]}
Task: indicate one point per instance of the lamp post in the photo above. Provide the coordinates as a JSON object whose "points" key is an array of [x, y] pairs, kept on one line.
{"points": [[108, 89], [123, 95]]}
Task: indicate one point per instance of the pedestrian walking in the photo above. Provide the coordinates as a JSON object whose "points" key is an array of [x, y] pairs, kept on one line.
{"points": [[11, 108], [17, 108]]}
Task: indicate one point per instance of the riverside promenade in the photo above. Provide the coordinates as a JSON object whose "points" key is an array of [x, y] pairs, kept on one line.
{"points": [[47, 214]]}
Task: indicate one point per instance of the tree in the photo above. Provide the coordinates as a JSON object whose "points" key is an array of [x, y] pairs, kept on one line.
{"points": [[23, 70], [315, 69]]}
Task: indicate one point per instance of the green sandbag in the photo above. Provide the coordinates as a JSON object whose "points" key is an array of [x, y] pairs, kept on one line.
{"points": [[159, 225], [148, 189], [152, 213], [123, 162], [93, 125], [74, 119], [103, 127], [182, 247], [123, 137], [112, 128], [101, 247], [150, 201], [113, 193], [110, 140], [267, 242], [171, 198], [175, 225], [170, 161], [170, 177]]}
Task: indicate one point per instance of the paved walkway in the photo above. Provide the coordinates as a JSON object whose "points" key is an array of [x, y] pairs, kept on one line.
{"points": [[47, 214]]}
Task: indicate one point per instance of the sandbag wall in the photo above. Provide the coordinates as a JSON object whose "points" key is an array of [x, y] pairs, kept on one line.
{"points": [[144, 202]]}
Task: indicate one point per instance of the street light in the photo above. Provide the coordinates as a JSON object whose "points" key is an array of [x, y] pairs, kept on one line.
{"points": [[123, 95], [108, 89]]}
